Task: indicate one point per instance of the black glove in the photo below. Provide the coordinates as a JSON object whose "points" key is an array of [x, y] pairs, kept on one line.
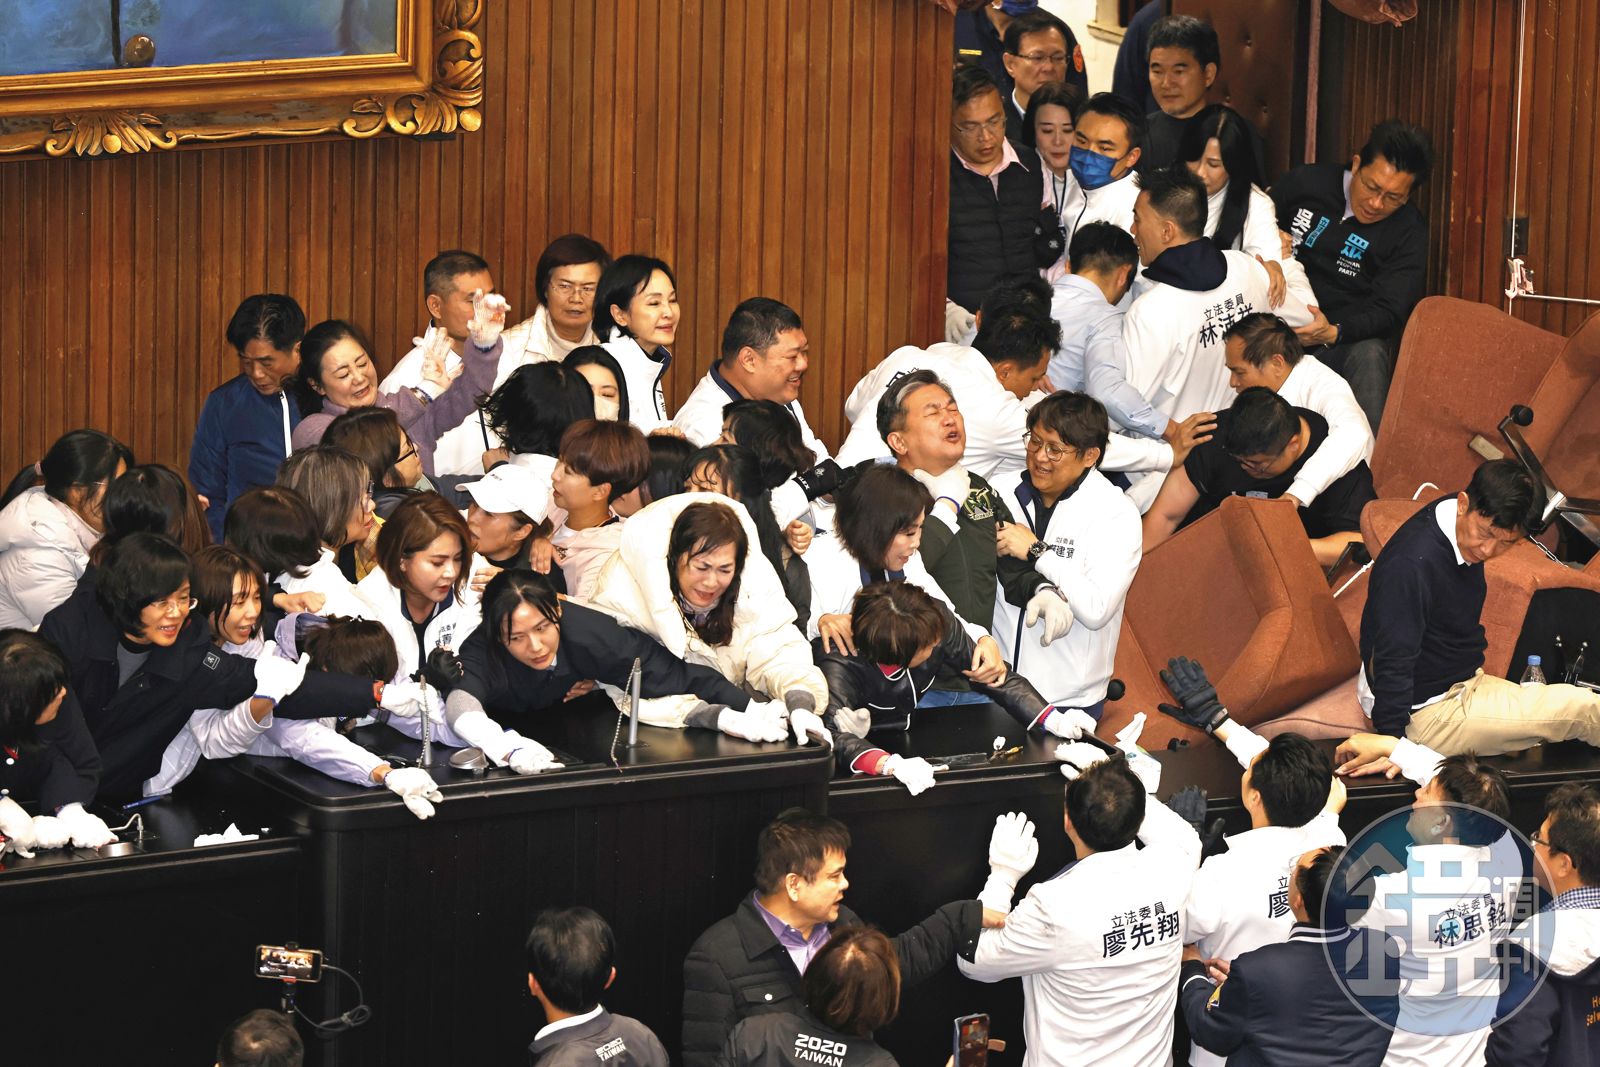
{"points": [[819, 480], [1198, 697], [1189, 804], [1211, 842], [443, 670]]}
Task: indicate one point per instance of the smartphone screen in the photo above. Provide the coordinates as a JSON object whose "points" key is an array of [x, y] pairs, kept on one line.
{"points": [[972, 1041], [293, 964]]}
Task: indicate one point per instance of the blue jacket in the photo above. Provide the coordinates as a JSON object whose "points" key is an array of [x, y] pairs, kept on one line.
{"points": [[238, 444], [1555, 1023]]}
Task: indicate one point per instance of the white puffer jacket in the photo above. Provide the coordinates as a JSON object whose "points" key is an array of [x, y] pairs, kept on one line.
{"points": [[44, 549], [449, 628], [768, 656]]}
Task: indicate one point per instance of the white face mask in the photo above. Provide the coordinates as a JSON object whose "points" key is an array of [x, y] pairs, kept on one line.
{"points": [[606, 409]]}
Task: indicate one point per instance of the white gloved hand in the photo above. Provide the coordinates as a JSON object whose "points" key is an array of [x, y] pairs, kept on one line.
{"points": [[16, 826], [277, 677], [403, 699], [915, 773], [751, 725], [530, 757], [1013, 850], [50, 832], [808, 726], [489, 312], [1078, 756], [87, 830], [1069, 724], [416, 787], [958, 321], [953, 485], [771, 710], [1057, 615]]}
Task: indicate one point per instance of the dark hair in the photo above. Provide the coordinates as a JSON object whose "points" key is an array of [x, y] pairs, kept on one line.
{"points": [[880, 502], [771, 431], [262, 1038], [1106, 805], [1483, 796], [1503, 492], [313, 347], [668, 454], [1260, 423], [1077, 418], [137, 571], [1102, 247], [621, 282], [1318, 889], [607, 452], [1036, 21], [534, 406], [1018, 292], [274, 526], [1238, 159], [372, 435], [412, 527], [756, 323], [1574, 810], [702, 528], [570, 953], [1293, 776], [32, 672], [1406, 146], [740, 471], [446, 267], [211, 583], [796, 842], [1196, 36], [509, 590], [1177, 194], [891, 414], [969, 82], [1264, 336], [585, 355], [568, 250], [78, 458], [363, 648], [853, 984], [1058, 93], [155, 499], [1019, 336], [1114, 106], [332, 482], [270, 317], [891, 622]]}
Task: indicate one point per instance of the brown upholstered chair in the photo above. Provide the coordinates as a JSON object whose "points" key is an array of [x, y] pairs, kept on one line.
{"points": [[1241, 592], [1566, 414]]}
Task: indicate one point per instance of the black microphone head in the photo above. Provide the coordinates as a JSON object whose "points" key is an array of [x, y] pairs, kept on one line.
{"points": [[1522, 415], [1115, 689]]}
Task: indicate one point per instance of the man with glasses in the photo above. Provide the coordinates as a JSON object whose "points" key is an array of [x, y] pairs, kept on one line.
{"points": [[1039, 49], [1365, 250], [994, 199]]}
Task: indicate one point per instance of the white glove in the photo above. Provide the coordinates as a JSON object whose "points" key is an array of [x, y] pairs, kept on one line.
{"points": [[16, 826], [958, 321], [403, 699], [915, 773], [1078, 756], [483, 733], [416, 787], [1013, 850], [50, 832], [751, 725], [489, 312], [771, 710], [530, 757], [808, 725], [1057, 615], [277, 677], [1069, 724], [954, 484], [87, 830]]}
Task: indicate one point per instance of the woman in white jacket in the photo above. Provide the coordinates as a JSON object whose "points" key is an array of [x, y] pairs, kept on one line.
{"points": [[687, 575], [335, 485], [275, 527], [46, 531], [636, 319]]}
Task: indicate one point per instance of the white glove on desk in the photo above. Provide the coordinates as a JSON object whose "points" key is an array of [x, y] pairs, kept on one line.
{"points": [[530, 757], [88, 831], [50, 832], [1052, 607], [915, 773], [16, 826], [1078, 756], [751, 725], [1013, 850], [416, 787], [1069, 724], [957, 321], [808, 726], [277, 677], [403, 699]]}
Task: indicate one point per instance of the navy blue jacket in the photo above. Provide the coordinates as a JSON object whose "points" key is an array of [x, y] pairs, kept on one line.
{"points": [[238, 444], [1556, 1027]]}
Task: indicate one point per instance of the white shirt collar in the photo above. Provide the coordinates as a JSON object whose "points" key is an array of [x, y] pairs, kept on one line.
{"points": [[1349, 209], [562, 1024], [1444, 513]]}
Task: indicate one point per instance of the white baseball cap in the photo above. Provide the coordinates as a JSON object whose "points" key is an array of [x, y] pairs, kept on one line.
{"points": [[511, 487]]}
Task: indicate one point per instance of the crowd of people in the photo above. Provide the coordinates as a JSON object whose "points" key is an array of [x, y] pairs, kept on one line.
{"points": [[1139, 324]]}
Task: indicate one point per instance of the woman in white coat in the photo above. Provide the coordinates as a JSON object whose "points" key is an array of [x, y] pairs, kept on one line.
{"points": [[686, 574], [46, 531], [636, 319], [336, 487]]}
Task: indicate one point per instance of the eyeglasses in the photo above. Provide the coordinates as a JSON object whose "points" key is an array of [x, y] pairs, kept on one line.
{"points": [[367, 502], [992, 125], [1536, 839], [568, 288], [175, 605], [1373, 189], [1055, 59], [411, 450], [1053, 453]]}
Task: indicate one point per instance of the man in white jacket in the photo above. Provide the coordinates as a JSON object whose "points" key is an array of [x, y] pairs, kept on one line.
{"points": [[1105, 151]]}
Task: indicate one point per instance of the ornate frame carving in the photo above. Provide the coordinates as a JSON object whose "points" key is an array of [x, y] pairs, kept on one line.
{"points": [[431, 84]]}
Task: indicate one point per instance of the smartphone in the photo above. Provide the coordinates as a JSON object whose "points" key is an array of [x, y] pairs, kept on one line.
{"points": [[288, 963], [972, 1041]]}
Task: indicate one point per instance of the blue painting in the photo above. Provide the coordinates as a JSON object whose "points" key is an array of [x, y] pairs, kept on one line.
{"points": [[52, 36]]}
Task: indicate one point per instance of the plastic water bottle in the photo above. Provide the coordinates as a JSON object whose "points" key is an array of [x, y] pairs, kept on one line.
{"points": [[1534, 675]]}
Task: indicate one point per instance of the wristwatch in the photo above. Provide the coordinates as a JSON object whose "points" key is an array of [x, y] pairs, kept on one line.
{"points": [[1035, 550]]}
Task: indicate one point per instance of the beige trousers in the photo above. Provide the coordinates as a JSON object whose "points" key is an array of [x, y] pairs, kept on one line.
{"points": [[1490, 715]]}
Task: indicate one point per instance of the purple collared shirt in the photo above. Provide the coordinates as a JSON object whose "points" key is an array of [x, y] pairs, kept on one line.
{"points": [[802, 950]]}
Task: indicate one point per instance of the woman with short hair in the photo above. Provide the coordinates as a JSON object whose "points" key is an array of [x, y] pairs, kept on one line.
{"points": [[565, 279]]}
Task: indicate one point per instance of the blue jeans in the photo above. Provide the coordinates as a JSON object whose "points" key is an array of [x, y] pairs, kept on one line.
{"points": [[944, 698]]}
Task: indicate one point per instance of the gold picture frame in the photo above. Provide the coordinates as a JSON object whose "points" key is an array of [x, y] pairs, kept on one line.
{"points": [[431, 84]]}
